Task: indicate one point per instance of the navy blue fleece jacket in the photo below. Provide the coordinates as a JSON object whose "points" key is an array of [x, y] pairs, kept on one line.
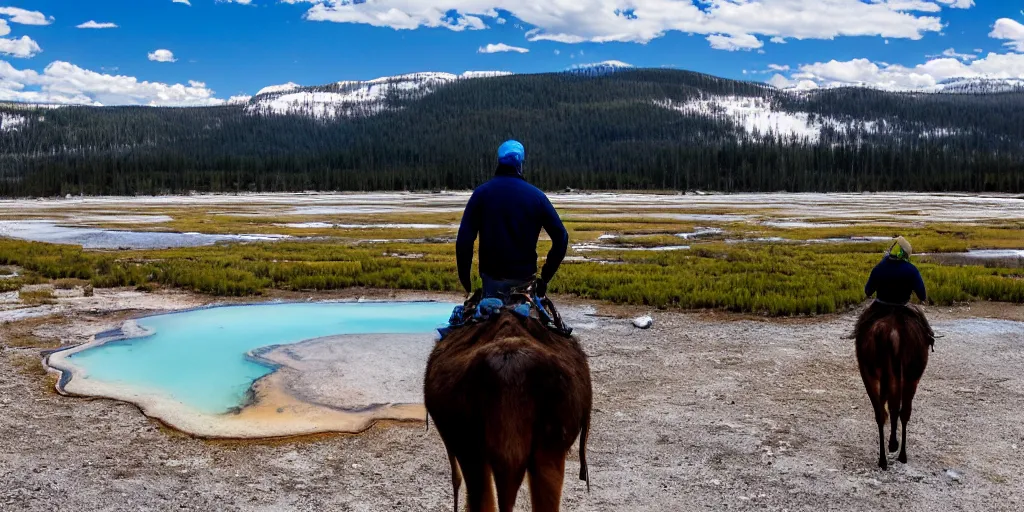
{"points": [[508, 214], [894, 281]]}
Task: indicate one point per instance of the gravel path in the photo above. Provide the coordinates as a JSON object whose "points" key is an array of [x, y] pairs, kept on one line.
{"points": [[701, 412]]}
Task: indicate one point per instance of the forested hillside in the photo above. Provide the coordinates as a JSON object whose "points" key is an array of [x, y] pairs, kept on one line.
{"points": [[632, 129]]}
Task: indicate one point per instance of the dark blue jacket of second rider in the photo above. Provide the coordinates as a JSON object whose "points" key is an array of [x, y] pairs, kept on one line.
{"points": [[894, 280]]}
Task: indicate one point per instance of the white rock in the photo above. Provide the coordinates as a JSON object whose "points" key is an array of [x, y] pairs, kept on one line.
{"points": [[953, 475], [644, 322]]}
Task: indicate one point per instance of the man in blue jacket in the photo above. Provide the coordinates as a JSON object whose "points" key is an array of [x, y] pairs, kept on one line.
{"points": [[508, 214], [895, 278]]}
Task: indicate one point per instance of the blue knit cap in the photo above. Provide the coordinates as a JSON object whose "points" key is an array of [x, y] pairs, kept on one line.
{"points": [[512, 153]]}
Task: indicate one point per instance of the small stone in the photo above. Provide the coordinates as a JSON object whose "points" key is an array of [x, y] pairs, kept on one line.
{"points": [[643, 322], [874, 483], [954, 475]]}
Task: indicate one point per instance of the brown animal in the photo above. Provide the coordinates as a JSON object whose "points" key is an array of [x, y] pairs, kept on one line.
{"points": [[509, 397], [892, 352]]}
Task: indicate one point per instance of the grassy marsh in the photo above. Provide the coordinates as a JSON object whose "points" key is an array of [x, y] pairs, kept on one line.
{"points": [[739, 269]]}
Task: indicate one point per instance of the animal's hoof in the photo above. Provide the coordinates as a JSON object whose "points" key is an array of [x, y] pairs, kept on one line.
{"points": [[884, 464], [903, 458], [894, 447]]}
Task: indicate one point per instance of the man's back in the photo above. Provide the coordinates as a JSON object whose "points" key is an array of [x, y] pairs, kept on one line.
{"points": [[508, 214], [895, 280]]}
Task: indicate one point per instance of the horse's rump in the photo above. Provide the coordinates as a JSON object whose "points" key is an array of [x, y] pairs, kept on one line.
{"points": [[503, 389], [908, 317], [886, 331], [506, 361]]}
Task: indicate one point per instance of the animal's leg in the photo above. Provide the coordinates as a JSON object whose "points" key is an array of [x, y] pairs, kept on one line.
{"points": [[894, 413], [479, 484], [546, 475], [456, 480], [909, 390], [873, 385], [508, 481]]}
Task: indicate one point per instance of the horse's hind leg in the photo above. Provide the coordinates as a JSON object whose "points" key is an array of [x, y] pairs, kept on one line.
{"points": [[909, 390], [456, 480], [479, 484], [546, 475], [508, 481], [874, 388], [895, 395]]}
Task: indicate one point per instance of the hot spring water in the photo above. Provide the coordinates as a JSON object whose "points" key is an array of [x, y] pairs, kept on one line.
{"points": [[199, 358]]}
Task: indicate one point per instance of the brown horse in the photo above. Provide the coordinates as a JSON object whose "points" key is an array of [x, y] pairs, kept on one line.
{"points": [[509, 397], [892, 352]]}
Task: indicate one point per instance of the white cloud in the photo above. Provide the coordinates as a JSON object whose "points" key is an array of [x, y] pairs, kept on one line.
{"points": [[94, 24], [778, 40], [952, 53], [24, 48], [25, 17], [734, 43], [958, 4], [162, 56], [777, 67], [186, 2], [912, 5], [4, 28], [863, 72], [63, 82], [1011, 31], [733, 23], [501, 48]]}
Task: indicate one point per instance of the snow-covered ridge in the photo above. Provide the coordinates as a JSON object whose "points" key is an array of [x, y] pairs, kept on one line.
{"points": [[961, 85], [353, 98], [599, 68], [980, 85], [290, 86]]}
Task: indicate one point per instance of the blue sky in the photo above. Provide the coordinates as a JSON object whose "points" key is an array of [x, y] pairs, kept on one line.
{"points": [[228, 48]]}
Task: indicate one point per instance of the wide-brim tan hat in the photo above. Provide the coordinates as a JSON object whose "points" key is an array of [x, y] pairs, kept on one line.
{"points": [[905, 245]]}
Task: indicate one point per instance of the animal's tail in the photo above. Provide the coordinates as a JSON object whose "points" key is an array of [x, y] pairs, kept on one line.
{"points": [[584, 434], [888, 347]]}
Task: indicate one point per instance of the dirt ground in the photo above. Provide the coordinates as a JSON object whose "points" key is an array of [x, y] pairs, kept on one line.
{"points": [[701, 412]]}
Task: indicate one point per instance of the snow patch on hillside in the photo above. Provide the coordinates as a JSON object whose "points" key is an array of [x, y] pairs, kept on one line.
{"points": [[11, 122], [757, 116]]}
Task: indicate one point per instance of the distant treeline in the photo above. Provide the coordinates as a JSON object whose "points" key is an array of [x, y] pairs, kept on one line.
{"points": [[586, 132]]}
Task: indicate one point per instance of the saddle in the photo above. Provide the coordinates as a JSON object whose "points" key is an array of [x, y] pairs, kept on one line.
{"points": [[522, 301]]}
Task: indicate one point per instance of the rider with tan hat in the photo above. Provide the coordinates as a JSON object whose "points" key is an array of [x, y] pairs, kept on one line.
{"points": [[896, 278]]}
